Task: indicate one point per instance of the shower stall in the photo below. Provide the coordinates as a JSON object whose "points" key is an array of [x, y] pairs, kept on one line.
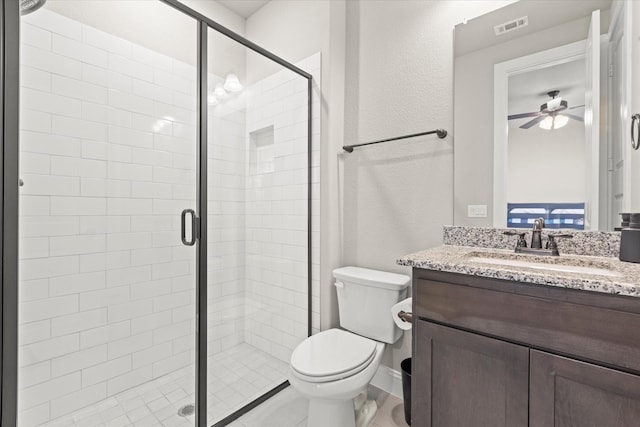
{"points": [[159, 212]]}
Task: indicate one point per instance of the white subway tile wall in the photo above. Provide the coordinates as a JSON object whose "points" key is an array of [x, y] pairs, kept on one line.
{"points": [[106, 287], [226, 225], [276, 300], [108, 143]]}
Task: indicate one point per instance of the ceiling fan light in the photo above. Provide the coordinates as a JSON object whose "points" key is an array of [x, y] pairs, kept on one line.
{"points": [[554, 122], [560, 121], [547, 123]]}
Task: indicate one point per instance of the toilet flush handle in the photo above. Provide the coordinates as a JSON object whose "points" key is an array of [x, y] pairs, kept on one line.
{"points": [[339, 284]]}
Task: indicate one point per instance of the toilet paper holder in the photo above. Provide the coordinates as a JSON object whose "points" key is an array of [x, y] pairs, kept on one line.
{"points": [[406, 316]]}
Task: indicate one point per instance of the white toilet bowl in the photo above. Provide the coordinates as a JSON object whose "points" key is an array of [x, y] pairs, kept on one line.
{"points": [[330, 369]]}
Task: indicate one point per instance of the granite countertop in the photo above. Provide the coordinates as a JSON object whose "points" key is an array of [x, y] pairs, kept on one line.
{"points": [[624, 278]]}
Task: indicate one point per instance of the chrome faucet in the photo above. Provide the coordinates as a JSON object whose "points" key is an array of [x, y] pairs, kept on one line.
{"points": [[536, 238]]}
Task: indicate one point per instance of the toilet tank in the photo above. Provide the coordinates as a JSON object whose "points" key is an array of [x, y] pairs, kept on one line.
{"points": [[365, 298]]}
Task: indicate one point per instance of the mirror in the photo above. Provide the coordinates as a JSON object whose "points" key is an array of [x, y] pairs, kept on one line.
{"points": [[485, 140]]}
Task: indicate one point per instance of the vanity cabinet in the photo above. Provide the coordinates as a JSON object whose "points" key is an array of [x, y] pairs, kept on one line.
{"points": [[571, 393], [491, 353], [465, 379]]}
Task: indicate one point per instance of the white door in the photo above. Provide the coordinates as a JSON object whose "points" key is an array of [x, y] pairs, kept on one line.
{"points": [[592, 122], [619, 118], [635, 104]]}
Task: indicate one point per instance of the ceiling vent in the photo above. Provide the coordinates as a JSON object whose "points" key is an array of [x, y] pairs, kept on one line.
{"points": [[511, 25]]}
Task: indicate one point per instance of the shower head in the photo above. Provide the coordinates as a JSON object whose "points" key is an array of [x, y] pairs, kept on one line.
{"points": [[28, 6]]}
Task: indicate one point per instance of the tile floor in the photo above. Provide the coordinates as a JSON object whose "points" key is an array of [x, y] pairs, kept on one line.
{"points": [[289, 409], [236, 377], [239, 376], [152, 404]]}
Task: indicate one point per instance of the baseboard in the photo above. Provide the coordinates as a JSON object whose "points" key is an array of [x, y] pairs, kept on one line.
{"points": [[388, 380]]}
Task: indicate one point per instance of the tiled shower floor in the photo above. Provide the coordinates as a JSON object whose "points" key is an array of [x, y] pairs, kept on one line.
{"points": [[289, 409], [236, 377]]}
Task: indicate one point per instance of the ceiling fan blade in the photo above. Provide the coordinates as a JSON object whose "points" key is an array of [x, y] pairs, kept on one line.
{"points": [[574, 117], [577, 106], [533, 122], [524, 115]]}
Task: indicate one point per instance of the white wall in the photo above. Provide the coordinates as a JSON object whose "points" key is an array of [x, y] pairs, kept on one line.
{"points": [[276, 209], [291, 29], [226, 222], [546, 166], [294, 30], [146, 22], [258, 214]]}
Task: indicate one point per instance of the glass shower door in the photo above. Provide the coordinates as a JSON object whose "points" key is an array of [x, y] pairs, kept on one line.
{"points": [[258, 224], [108, 147]]}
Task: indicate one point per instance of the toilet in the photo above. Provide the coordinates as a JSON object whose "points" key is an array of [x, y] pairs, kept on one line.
{"points": [[334, 366]]}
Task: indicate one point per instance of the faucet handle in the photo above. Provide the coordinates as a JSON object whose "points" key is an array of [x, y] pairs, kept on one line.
{"points": [[552, 244], [521, 243], [566, 236]]}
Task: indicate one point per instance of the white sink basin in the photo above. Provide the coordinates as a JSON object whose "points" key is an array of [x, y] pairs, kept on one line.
{"points": [[558, 265]]}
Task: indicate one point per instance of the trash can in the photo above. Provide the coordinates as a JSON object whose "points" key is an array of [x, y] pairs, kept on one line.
{"points": [[405, 366]]}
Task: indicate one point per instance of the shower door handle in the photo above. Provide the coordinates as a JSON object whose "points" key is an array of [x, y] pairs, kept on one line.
{"points": [[635, 131], [194, 227]]}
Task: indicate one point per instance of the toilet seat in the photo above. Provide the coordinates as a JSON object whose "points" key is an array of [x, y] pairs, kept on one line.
{"points": [[331, 355]]}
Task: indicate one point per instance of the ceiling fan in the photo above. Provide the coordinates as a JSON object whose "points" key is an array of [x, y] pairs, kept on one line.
{"points": [[551, 111]]}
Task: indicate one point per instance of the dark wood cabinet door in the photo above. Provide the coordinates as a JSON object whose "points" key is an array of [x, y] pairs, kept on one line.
{"points": [[570, 393], [462, 379]]}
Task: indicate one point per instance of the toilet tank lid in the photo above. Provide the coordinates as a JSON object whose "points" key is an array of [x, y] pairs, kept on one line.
{"points": [[377, 278]]}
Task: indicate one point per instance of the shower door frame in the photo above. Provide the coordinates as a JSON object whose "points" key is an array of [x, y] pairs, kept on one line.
{"points": [[204, 23], [9, 128], [9, 160]]}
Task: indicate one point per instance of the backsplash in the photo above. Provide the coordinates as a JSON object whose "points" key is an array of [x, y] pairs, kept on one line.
{"points": [[593, 243]]}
